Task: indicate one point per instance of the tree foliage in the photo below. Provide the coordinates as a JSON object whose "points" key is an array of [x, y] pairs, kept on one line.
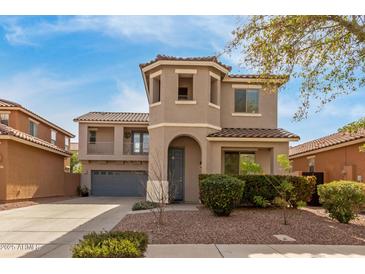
{"points": [[355, 127], [326, 52], [75, 165]]}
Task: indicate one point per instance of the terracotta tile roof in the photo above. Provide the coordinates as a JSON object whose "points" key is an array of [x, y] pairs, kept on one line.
{"points": [[327, 141], [160, 57], [258, 76], [5, 130], [253, 133], [132, 117], [9, 104], [6, 103]]}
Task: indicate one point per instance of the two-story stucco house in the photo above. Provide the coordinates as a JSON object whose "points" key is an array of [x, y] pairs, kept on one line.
{"points": [[201, 120], [33, 155]]}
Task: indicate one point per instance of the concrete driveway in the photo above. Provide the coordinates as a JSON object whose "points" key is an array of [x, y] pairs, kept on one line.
{"points": [[49, 230]]}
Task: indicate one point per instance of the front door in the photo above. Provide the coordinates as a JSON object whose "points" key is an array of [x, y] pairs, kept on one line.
{"points": [[176, 174]]}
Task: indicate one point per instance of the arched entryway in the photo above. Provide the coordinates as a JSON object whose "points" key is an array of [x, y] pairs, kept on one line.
{"points": [[184, 167]]}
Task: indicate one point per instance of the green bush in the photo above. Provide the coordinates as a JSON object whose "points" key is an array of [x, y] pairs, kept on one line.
{"points": [[143, 205], [260, 201], [221, 193], [126, 244], [342, 199], [266, 186]]}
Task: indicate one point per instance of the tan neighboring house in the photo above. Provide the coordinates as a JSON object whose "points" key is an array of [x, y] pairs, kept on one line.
{"points": [[33, 153], [201, 120], [337, 155]]}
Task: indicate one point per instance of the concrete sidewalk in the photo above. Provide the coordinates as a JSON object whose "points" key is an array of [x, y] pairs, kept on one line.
{"points": [[254, 251]]}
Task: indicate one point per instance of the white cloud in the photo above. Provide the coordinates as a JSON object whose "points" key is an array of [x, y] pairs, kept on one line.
{"points": [[170, 30], [26, 85], [129, 99]]}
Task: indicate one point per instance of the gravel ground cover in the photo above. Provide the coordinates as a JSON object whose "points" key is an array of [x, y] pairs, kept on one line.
{"points": [[246, 226]]}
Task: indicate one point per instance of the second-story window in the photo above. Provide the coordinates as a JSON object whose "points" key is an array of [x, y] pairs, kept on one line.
{"points": [[185, 88], [53, 136], [140, 142], [92, 136], [33, 128], [246, 100], [214, 90], [156, 89], [67, 143], [4, 118]]}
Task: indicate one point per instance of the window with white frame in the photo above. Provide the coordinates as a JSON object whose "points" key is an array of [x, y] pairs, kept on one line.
{"points": [[67, 143], [156, 89], [246, 101], [140, 142], [185, 87], [53, 136], [33, 128], [311, 163], [214, 90], [4, 118]]}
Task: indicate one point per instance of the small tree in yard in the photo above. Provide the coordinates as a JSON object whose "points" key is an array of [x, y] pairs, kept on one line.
{"points": [[158, 191], [285, 188], [250, 168]]}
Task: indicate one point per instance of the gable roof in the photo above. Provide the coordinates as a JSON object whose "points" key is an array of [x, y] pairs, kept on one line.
{"points": [[254, 133], [6, 104], [9, 131], [160, 57], [326, 142], [121, 117]]}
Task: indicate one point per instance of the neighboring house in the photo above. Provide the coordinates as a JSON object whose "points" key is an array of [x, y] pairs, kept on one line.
{"points": [[337, 155], [33, 152], [201, 120], [74, 147]]}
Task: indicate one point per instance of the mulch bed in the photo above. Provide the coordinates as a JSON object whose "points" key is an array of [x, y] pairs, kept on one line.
{"points": [[246, 226]]}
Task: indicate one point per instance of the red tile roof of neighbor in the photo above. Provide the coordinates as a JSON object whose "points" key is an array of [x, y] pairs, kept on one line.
{"points": [[253, 133], [9, 104], [325, 142], [160, 57], [6, 103], [9, 131], [132, 117]]}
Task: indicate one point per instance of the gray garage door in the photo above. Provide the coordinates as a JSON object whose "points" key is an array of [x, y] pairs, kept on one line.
{"points": [[118, 183]]}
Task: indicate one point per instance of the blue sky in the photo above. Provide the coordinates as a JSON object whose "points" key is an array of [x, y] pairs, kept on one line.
{"points": [[62, 67]]}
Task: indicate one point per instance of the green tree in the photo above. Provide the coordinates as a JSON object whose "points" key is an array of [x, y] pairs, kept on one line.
{"points": [[75, 165], [250, 168], [326, 52], [355, 127]]}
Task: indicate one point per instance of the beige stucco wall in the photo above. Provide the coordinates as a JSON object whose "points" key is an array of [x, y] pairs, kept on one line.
{"points": [[267, 108], [169, 112], [31, 172], [20, 121], [118, 153], [3, 168], [266, 154]]}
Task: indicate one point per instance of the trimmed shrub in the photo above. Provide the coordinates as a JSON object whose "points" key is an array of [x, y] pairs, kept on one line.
{"points": [[266, 186], [221, 193], [143, 205], [126, 244], [342, 199]]}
